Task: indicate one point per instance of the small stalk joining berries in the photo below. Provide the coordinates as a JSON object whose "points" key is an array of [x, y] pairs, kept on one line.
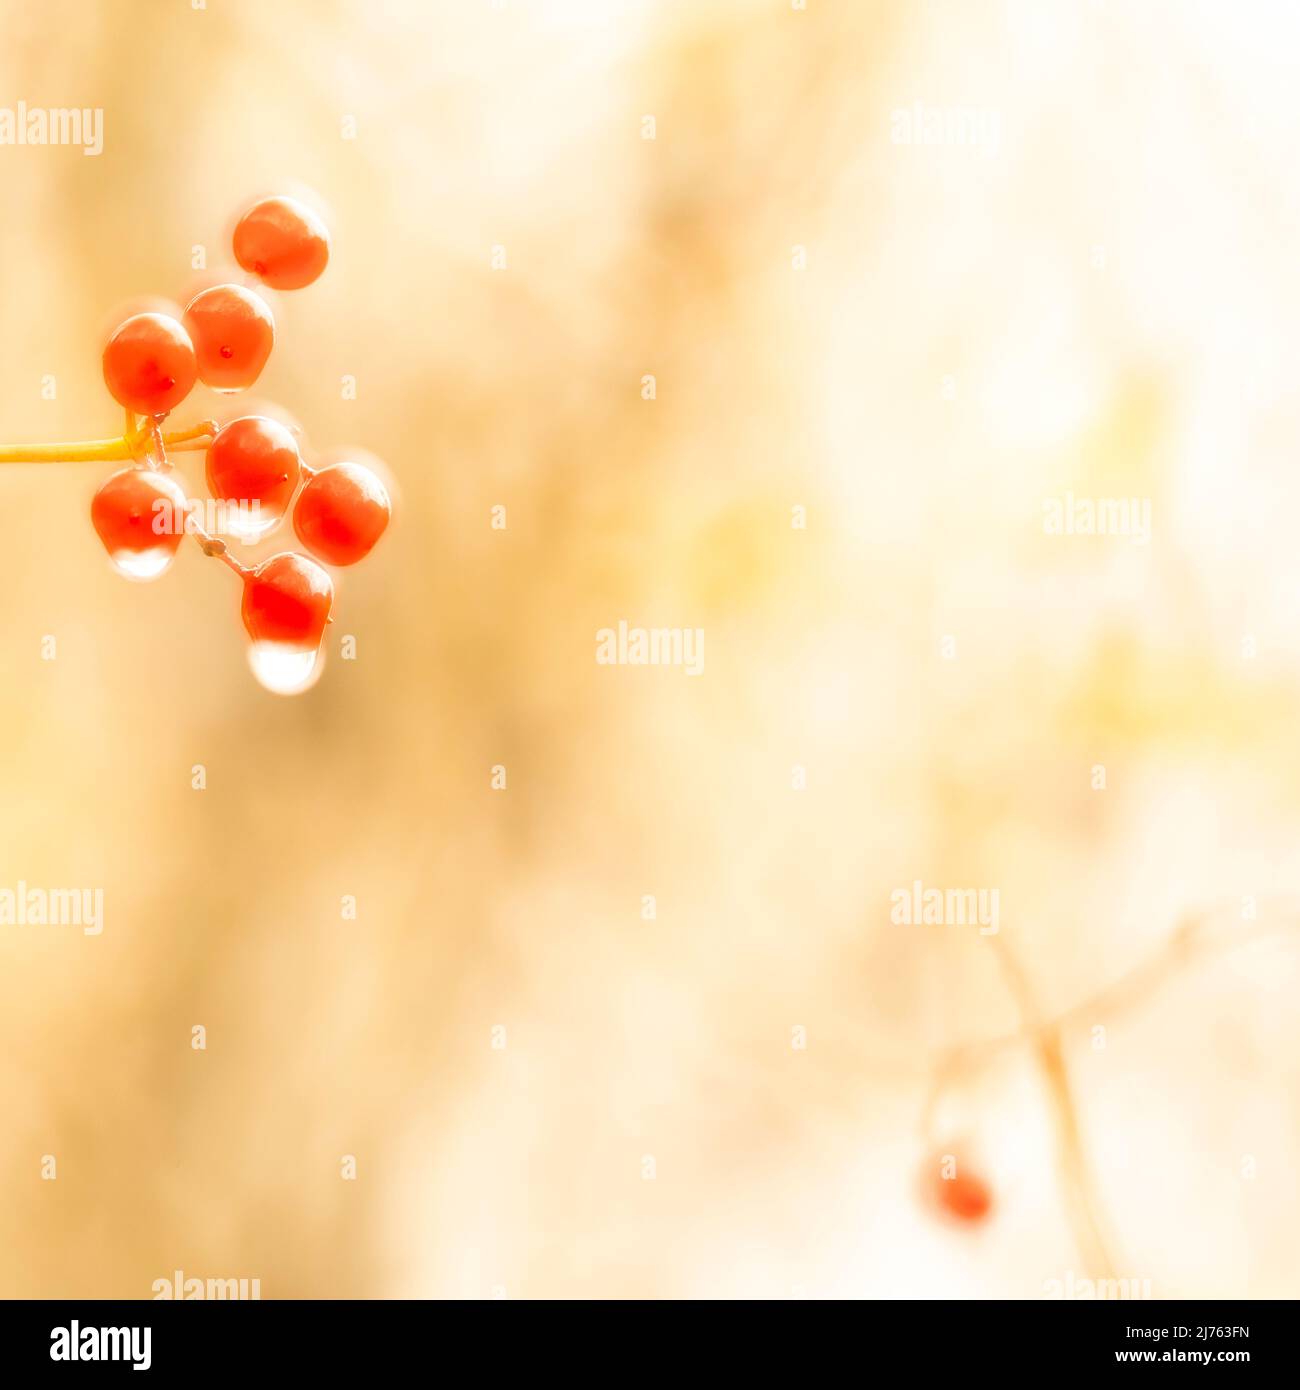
{"points": [[213, 546]]}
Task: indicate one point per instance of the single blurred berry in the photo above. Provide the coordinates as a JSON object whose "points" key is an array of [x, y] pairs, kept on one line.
{"points": [[341, 513], [282, 242], [287, 601], [149, 364], [140, 516], [233, 332], [960, 1194], [253, 463]]}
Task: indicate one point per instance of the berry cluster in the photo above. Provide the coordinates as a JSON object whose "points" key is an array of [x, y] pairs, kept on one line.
{"points": [[255, 468]]}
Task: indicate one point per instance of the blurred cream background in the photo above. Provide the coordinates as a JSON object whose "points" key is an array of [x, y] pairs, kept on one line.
{"points": [[918, 344]]}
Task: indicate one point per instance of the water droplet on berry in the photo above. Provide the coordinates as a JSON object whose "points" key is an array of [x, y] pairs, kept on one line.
{"points": [[285, 669], [138, 514], [143, 564]]}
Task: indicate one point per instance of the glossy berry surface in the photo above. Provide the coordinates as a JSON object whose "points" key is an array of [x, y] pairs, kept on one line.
{"points": [[341, 513], [233, 332], [139, 515], [254, 461], [287, 601], [149, 364], [282, 242]]}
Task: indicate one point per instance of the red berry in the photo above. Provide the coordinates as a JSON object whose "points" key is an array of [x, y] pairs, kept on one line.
{"points": [[961, 1195], [254, 462], [341, 513], [233, 331], [282, 242], [140, 516], [149, 364], [287, 601]]}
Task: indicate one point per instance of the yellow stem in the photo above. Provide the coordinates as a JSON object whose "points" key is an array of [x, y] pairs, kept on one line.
{"points": [[104, 450]]}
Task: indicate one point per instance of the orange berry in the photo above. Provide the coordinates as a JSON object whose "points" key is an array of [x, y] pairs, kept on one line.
{"points": [[341, 513], [287, 601], [283, 243], [254, 462], [233, 332], [149, 364], [139, 514], [964, 1197]]}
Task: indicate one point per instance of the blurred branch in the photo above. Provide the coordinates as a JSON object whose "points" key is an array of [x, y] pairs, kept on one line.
{"points": [[1191, 940]]}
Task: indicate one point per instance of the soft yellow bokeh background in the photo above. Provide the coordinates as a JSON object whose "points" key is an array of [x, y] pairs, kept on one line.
{"points": [[917, 344]]}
